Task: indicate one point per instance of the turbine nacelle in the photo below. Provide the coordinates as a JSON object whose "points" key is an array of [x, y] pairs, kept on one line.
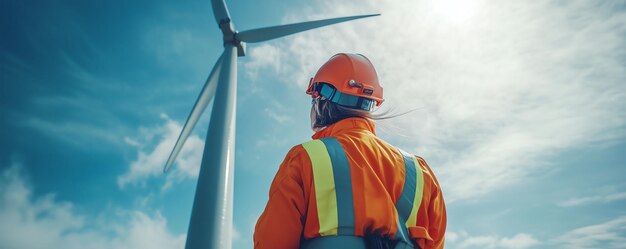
{"points": [[229, 34]]}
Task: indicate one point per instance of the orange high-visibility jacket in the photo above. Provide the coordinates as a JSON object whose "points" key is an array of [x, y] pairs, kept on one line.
{"points": [[377, 174]]}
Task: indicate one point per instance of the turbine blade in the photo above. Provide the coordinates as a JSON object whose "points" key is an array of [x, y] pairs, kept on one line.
{"points": [[268, 33], [220, 11], [201, 103]]}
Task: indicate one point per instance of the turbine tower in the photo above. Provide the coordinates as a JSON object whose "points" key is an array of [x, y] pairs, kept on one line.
{"points": [[211, 216]]}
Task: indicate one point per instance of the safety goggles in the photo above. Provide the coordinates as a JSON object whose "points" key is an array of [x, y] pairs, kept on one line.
{"points": [[330, 93]]}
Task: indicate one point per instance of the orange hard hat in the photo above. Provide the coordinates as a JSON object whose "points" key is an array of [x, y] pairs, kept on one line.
{"points": [[349, 74]]}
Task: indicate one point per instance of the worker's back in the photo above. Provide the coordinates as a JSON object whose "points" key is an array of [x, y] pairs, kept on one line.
{"points": [[377, 180]]}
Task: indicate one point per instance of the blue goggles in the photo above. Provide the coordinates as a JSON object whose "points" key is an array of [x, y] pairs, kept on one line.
{"points": [[330, 93]]}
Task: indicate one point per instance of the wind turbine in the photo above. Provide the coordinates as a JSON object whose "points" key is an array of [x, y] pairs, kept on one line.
{"points": [[211, 216]]}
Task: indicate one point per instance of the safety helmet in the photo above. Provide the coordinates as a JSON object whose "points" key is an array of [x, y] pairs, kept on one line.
{"points": [[349, 80]]}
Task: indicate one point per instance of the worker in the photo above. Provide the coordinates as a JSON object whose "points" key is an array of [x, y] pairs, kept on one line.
{"points": [[347, 188]]}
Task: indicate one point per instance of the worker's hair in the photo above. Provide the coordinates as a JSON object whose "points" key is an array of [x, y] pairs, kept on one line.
{"points": [[329, 113]]}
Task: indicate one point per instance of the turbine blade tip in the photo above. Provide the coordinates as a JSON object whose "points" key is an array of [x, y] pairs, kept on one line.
{"points": [[166, 167]]}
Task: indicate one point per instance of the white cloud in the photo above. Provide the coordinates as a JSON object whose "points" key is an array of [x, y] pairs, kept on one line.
{"points": [[451, 236], [277, 112], [44, 222], [519, 241], [235, 234], [465, 240], [263, 57], [276, 116], [600, 198], [479, 242], [151, 159], [611, 234], [501, 91]]}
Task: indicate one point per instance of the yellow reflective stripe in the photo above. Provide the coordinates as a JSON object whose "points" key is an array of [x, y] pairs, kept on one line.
{"points": [[323, 180], [419, 192]]}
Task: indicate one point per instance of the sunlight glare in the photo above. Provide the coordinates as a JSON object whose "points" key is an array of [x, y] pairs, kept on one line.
{"points": [[456, 11]]}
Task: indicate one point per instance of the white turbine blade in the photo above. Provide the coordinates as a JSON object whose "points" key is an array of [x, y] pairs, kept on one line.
{"points": [[220, 11], [201, 103], [264, 34]]}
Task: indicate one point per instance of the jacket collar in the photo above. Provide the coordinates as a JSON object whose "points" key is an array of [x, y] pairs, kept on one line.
{"points": [[346, 124]]}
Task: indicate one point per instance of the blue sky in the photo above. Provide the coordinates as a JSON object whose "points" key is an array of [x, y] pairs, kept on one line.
{"points": [[520, 112]]}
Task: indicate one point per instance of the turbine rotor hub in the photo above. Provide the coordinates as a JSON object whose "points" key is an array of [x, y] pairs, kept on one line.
{"points": [[230, 36]]}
